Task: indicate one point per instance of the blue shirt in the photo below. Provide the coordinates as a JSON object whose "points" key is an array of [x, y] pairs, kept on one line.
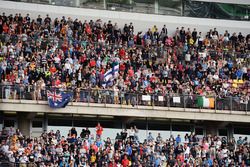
{"points": [[230, 64], [129, 150], [239, 73], [98, 143], [157, 162], [210, 162], [178, 139]]}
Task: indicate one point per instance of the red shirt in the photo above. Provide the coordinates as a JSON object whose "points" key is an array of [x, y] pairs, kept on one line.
{"points": [[130, 72], [99, 130], [57, 82], [152, 79], [181, 158], [122, 67], [88, 29], [53, 70], [94, 147], [92, 63], [122, 53], [5, 28], [83, 58], [112, 164], [125, 162]]}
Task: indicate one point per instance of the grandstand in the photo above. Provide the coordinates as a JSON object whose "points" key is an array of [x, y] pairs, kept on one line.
{"points": [[63, 69]]}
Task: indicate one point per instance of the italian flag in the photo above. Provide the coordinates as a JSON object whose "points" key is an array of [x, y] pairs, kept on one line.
{"points": [[205, 102]]}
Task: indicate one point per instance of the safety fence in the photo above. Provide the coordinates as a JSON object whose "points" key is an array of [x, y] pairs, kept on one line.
{"points": [[18, 164], [106, 96]]}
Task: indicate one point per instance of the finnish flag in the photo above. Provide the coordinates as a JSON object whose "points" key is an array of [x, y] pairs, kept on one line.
{"points": [[110, 75]]}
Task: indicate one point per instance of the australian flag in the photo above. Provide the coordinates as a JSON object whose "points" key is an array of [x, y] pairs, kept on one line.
{"points": [[58, 100]]}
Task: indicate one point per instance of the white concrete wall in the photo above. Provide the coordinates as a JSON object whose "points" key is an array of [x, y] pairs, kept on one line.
{"points": [[141, 21], [118, 110], [111, 132]]}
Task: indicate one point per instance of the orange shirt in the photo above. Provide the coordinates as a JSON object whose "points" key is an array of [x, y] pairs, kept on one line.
{"points": [[33, 66], [14, 148]]}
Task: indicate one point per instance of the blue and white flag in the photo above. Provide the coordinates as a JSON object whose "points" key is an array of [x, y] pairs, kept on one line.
{"points": [[115, 71], [58, 100], [110, 75]]}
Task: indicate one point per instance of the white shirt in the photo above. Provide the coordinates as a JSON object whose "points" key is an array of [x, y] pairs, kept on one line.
{"points": [[57, 60], [70, 60], [5, 148], [131, 132], [67, 66], [187, 151], [116, 90], [215, 77], [23, 159], [187, 57]]}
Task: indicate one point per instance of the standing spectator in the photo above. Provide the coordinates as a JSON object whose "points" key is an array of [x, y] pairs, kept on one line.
{"points": [[124, 134], [182, 34], [194, 35], [73, 132], [240, 141], [136, 134], [150, 137], [99, 130], [178, 139], [159, 138], [125, 161], [11, 131], [131, 133]]}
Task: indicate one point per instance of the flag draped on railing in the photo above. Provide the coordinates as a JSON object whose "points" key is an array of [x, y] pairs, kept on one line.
{"points": [[205, 102], [58, 100]]}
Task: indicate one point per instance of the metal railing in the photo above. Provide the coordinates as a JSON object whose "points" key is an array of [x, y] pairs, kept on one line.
{"points": [[187, 8], [18, 164], [134, 99]]}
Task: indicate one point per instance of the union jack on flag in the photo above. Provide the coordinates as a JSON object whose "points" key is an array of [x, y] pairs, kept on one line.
{"points": [[58, 100], [54, 96]]}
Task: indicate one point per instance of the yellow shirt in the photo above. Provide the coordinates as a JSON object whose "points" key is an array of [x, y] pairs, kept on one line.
{"points": [[92, 158]]}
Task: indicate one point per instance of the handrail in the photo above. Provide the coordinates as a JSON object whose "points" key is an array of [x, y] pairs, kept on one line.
{"points": [[175, 8], [108, 96]]}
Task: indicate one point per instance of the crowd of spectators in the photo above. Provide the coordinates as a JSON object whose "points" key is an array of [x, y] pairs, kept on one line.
{"points": [[84, 150], [74, 54]]}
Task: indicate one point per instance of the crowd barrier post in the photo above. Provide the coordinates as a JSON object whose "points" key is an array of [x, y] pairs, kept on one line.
{"points": [[88, 97], [2, 95], [105, 99], [215, 104], [246, 108], [231, 104], [137, 100], [184, 102]]}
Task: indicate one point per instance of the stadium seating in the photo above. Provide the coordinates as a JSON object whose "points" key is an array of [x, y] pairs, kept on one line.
{"points": [[94, 59]]}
